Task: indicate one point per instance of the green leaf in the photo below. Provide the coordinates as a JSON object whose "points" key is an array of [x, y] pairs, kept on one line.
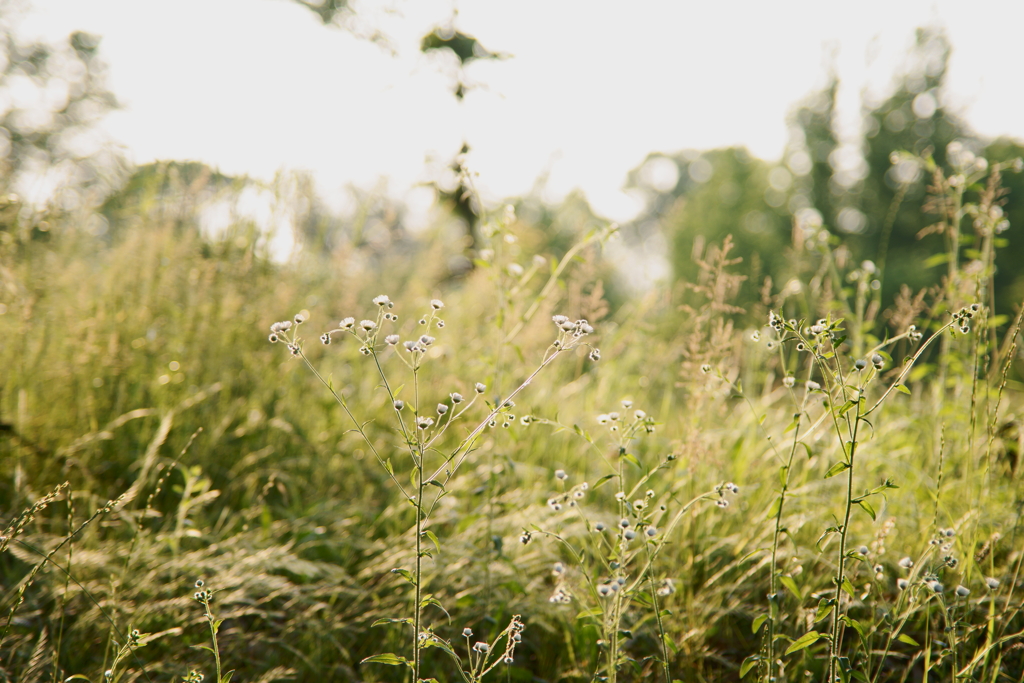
{"points": [[434, 482], [433, 539], [773, 511], [604, 480], [902, 388], [824, 609], [629, 457], [845, 408], [904, 638], [936, 259], [440, 645], [749, 664], [790, 584], [856, 625], [431, 600], [866, 506], [806, 640], [388, 658], [406, 574], [806, 448], [390, 620], [848, 587], [758, 623], [227, 677], [838, 468], [590, 613], [388, 467]]}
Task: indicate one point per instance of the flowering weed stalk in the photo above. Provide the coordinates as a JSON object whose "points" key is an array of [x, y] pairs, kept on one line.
{"points": [[614, 561], [422, 424]]}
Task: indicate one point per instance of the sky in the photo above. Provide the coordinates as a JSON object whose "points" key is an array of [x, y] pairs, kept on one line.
{"points": [[589, 90]]}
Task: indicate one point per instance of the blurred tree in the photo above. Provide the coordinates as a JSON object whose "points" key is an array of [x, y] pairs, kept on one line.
{"points": [[52, 97], [700, 198]]}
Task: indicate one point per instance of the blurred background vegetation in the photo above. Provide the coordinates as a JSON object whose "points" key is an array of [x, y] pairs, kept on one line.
{"points": [[135, 306]]}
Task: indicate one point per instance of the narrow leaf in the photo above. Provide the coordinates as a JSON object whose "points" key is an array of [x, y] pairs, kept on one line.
{"points": [[838, 468], [758, 623], [806, 640], [387, 658]]}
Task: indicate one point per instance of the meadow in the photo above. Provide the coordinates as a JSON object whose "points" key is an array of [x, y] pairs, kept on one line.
{"points": [[512, 470]]}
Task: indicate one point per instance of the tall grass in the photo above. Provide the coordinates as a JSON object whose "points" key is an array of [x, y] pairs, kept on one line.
{"points": [[802, 486]]}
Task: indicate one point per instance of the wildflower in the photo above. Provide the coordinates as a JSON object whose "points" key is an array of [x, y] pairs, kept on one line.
{"points": [[399, 404], [425, 422], [365, 350], [560, 597], [877, 361], [604, 590], [705, 368], [817, 329], [347, 323], [863, 550], [962, 591], [426, 340], [788, 382], [813, 386], [639, 415], [651, 532], [525, 537], [480, 388], [902, 584], [906, 563], [624, 523], [440, 324], [755, 336], [325, 339], [383, 300], [467, 632], [391, 339], [860, 364], [273, 338], [733, 488], [525, 420], [629, 535], [367, 324], [603, 418], [722, 503], [560, 474], [515, 270], [283, 326], [613, 416], [441, 409], [599, 526], [595, 355], [992, 583], [559, 319], [558, 569], [455, 397], [482, 648], [508, 659], [668, 587], [949, 533], [936, 586], [411, 346]]}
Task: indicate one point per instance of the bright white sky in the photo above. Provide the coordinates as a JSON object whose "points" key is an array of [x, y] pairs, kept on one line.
{"points": [[255, 86]]}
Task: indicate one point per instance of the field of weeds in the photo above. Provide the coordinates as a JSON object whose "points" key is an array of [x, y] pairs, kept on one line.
{"points": [[369, 465]]}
